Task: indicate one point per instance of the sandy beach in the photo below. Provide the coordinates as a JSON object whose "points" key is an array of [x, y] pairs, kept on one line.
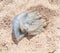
{"points": [[47, 41]]}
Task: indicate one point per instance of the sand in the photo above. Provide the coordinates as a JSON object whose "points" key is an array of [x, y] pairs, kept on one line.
{"points": [[47, 41]]}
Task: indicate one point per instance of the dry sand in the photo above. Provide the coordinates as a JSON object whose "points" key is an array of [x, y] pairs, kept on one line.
{"points": [[47, 41]]}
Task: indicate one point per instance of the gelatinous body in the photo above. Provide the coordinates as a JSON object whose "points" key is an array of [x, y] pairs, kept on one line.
{"points": [[27, 23]]}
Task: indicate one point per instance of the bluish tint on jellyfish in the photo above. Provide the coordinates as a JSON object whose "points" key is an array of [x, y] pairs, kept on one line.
{"points": [[27, 23]]}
